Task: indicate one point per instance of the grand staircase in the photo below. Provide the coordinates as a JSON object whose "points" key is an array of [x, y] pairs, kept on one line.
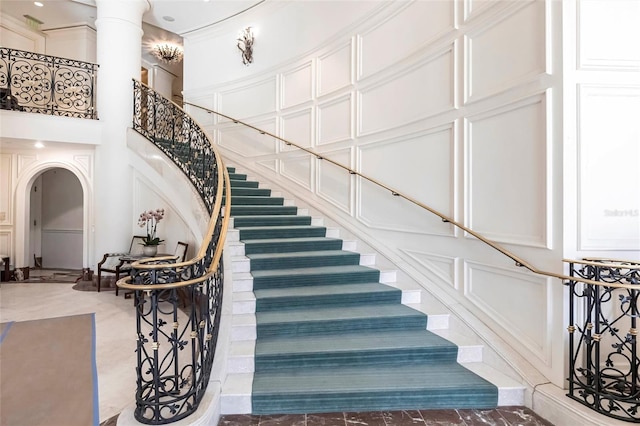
{"points": [[317, 328]]}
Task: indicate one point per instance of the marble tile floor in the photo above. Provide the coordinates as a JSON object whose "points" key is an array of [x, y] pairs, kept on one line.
{"points": [[502, 416]]}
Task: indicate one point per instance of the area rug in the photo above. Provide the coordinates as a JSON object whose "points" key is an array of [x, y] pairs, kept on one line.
{"points": [[48, 375]]}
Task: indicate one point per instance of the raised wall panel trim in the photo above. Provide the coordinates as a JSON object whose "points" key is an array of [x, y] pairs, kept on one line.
{"points": [[446, 104], [433, 222], [608, 213], [290, 118], [84, 161], [6, 189], [259, 90], [260, 144], [437, 267], [612, 32], [292, 86], [270, 165], [287, 172], [541, 240], [518, 302], [506, 82], [24, 161], [347, 101], [6, 244], [341, 173], [323, 86]]}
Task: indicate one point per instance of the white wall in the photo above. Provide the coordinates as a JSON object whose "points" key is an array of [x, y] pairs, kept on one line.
{"points": [[16, 35], [77, 42], [456, 104], [602, 100]]}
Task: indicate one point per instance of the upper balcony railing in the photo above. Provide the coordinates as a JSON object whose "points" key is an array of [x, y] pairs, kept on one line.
{"points": [[33, 82], [178, 305]]}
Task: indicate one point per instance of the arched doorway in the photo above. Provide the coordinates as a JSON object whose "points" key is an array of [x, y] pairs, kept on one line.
{"points": [[56, 220]]}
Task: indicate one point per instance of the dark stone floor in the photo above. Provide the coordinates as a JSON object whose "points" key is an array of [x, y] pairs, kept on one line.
{"points": [[502, 416]]}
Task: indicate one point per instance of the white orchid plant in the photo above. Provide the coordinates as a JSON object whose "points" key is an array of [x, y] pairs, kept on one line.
{"points": [[150, 219]]}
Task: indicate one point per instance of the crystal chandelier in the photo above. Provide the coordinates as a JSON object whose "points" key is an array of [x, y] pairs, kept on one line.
{"points": [[168, 53]]}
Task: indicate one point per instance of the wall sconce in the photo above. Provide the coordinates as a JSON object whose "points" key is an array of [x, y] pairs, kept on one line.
{"points": [[167, 52], [245, 44]]}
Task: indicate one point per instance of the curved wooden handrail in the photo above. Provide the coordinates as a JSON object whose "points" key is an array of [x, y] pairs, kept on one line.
{"points": [[518, 261]]}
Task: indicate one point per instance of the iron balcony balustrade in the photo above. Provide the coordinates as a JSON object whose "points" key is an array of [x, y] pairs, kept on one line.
{"points": [[33, 82], [629, 284], [178, 305], [604, 367]]}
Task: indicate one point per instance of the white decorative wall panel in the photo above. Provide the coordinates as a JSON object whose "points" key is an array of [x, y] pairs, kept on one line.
{"points": [[396, 38], [335, 120], [608, 34], [6, 243], [248, 142], [297, 128], [298, 170], [404, 166], [473, 8], [518, 302], [6, 190], [249, 101], [297, 86], [334, 183], [506, 173], [609, 195], [200, 115], [506, 53], [421, 91], [439, 268], [335, 70], [24, 161], [269, 164]]}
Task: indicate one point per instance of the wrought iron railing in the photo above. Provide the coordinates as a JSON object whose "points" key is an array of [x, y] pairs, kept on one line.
{"points": [[604, 367], [178, 305], [33, 82]]}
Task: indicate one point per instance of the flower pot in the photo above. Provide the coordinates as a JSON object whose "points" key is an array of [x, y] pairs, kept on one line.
{"points": [[149, 250]]}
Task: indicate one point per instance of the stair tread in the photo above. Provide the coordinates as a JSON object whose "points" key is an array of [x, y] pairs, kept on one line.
{"points": [[313, 271], [361, 380], [319, 253], [279, 227], [348, 342], [336, 289], [338, 313], [291, 240]]}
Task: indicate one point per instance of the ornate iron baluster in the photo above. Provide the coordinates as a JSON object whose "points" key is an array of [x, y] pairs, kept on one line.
{"points": [[171, 382], [606, 381]]}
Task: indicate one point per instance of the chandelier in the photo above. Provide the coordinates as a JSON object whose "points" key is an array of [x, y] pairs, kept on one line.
{"points": [[168, 53]]}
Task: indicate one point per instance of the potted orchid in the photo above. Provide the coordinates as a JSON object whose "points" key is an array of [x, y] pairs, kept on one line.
{"points": [[150, 219]]}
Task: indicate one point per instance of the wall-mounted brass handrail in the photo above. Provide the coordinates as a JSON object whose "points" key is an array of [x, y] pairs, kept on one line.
{"points": [[518, 261]]}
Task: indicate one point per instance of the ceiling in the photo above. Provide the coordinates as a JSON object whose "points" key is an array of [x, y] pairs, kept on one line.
{"points": [[173, 16]]}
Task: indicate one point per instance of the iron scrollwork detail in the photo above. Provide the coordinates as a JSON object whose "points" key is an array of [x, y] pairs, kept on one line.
{"points": [[604, 366], [33, 82], [177, 326]]}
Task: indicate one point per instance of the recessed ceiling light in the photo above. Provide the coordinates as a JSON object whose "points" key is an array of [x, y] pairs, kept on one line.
{"points": [[168, 18], [37, 3], [39, 145]]}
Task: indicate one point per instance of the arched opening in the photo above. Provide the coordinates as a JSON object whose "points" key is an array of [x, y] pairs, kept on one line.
{"points": [[56, 220]]}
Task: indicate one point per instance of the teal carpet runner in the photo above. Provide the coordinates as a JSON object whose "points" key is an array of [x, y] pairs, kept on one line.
{"points": [[330, 336]]}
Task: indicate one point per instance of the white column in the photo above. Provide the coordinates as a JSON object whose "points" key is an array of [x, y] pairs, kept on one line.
{"points": [[119, 47]]}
